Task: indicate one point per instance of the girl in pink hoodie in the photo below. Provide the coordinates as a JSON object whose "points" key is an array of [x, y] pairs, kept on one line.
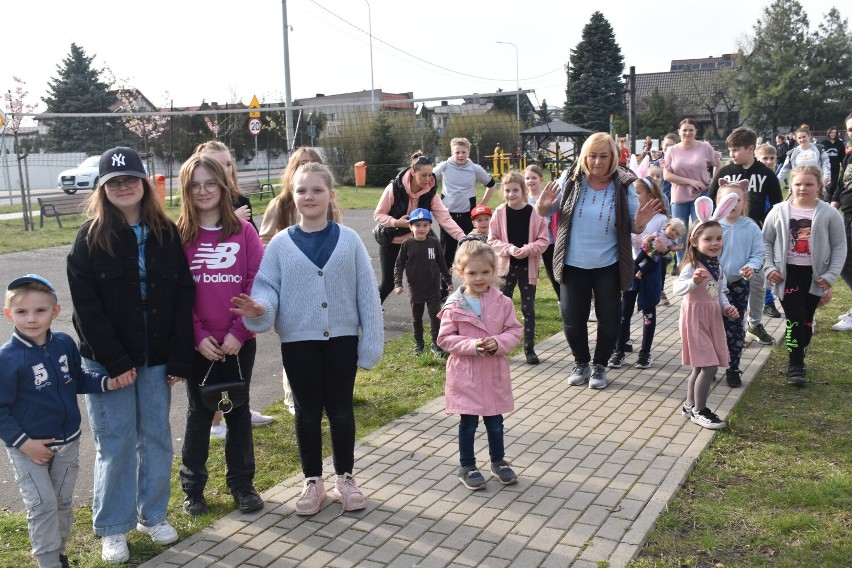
{"points": [[478, 329]]}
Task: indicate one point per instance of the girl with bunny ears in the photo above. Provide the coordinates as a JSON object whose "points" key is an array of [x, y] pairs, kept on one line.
{"points": [[702, 284]]}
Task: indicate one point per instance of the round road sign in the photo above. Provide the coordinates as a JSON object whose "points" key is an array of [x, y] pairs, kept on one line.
{"points": [[254, 126]]}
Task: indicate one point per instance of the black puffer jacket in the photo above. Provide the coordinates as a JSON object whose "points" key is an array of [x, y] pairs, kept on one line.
{"points": [[109, 313]]}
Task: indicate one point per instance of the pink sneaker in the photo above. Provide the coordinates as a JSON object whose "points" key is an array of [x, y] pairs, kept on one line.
{"points": [[346, 491], [313, 494]]}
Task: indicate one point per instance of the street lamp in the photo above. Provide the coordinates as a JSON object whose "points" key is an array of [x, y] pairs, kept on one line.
{"points": [[372, 85], [517, 83]]}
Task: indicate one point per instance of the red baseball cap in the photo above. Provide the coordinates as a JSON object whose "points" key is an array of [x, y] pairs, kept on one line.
{"points": [[480, 210]]}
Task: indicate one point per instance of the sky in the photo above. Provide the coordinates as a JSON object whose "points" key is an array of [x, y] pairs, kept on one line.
{"points": [[187, 51]]}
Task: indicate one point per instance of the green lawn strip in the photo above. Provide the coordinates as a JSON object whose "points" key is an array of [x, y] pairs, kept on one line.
{"points": [[775, 489], [398, 385]]}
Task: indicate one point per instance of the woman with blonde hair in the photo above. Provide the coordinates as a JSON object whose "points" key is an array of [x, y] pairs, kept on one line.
{"points": [[593, 252]]}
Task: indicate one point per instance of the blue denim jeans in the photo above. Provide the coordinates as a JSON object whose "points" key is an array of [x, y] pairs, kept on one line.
{"points": [[467, 432], [47, 491], [684, 212], [133, 440]]}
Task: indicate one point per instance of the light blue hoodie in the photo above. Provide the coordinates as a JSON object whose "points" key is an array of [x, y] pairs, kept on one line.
{"points": [[742, 244]]}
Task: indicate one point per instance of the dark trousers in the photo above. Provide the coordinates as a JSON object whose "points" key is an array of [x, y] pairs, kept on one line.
{"points": [[738, 292], [846, 271], [649, 322], [519, 274], [467, 432], [239, 443], [322, 376], [387, 262], [799, 308], [577, 287], [449, 244], [547, 258], [417, 319]]}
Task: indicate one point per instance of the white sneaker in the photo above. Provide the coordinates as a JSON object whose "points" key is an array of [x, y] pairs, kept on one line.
{"points": [[347, 492], [114, 549], [843, 324], [258, 419], [162, 534], [218, 431], [291, 408]]}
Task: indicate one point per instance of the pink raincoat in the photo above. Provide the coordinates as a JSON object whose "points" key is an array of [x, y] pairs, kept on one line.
{"points": [[479, 384]]}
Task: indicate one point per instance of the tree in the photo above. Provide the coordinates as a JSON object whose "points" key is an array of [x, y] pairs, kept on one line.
{"points": [[595, 90], [77, 88], [662, 115], [16, 105], [543, 113], [384, 152], [773, 82], [512, 104], [146, 128], [832, 70]]}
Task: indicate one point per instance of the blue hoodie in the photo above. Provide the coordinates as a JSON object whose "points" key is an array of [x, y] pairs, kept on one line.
{"points": [[742, 244], [38, 389]]}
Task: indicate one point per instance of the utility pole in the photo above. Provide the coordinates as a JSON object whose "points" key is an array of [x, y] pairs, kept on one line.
{"points": [[631, 105], [288, 100]]}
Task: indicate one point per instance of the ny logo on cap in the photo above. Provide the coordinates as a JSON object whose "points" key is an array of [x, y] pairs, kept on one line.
{"points": [[118, 159]]}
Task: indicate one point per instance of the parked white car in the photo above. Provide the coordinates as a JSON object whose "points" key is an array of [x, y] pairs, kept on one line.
{"points": [[84, 176]]}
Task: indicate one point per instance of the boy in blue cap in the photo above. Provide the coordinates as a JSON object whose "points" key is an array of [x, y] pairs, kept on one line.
{"points": [[425, 268], [40, 377]]}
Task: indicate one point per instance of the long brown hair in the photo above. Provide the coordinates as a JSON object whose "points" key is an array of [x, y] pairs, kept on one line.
{"points": [[285, 213], [107, 219], [321, 170], [691, 254], [187, 223], [233, 185]]}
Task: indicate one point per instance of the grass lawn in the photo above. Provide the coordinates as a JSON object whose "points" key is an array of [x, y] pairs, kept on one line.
{"points": [[775, 488]]}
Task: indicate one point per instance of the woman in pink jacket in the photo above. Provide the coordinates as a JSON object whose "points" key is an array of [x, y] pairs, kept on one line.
{"points": [[519, 237], [479, 328]]}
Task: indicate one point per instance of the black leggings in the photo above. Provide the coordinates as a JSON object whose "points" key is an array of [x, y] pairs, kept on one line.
{"points": [[519, 274], [322, 376], [387, 262], [799, 308], [547, 257]]}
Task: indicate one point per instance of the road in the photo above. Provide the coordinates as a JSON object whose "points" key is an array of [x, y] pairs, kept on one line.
{"points": [[266, 380]]}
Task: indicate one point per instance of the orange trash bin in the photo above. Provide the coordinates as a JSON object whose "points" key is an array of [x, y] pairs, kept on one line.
{"points": [[161, 188], [361, 174]]}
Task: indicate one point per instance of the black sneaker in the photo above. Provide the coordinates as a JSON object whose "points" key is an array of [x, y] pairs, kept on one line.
{"points": [[438, 351], [616, 361], [532, 358], [796, 375], [643, 361], [628, 347], [706, 418], [63, 561], [770, 311], [732, 377], [504, 472], [194, 505], [758, 333], [471, 478], [419, 347], [249, 501]]}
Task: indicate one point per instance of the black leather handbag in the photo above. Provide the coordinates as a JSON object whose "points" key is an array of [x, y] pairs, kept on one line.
{"points": [[218, 389]]}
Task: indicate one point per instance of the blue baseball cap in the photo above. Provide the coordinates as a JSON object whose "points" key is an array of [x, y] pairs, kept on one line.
{"points": [[31, 279], [419, 214]]}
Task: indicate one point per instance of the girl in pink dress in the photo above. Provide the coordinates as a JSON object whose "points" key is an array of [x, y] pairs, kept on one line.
{"points": [[702, 284]]}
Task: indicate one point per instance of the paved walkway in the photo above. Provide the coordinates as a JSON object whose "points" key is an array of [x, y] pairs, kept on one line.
{"points": [[596, 468]]}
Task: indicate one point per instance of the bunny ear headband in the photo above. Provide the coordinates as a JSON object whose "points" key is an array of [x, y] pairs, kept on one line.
{"points": [[704, 209], [743, 183]]}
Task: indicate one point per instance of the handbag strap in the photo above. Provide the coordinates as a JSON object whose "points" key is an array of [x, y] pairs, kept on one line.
{"points": [[222, 360]]}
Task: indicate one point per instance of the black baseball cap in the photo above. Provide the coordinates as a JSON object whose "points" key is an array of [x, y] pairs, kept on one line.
{"points": [[31, 279], [120, 161]]}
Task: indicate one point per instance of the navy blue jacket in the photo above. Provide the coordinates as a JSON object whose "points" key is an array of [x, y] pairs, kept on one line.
{"points": [[38, 389]]}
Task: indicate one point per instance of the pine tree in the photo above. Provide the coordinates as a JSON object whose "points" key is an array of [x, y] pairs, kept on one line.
{"points": [[773, 84], [384, 154], [661, 118], [595, 89], [543, 113], [832, 71], [77, 88]]}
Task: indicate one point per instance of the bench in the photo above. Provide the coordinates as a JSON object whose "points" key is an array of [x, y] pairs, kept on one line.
{"points": [[251, 185], [58, 205]]}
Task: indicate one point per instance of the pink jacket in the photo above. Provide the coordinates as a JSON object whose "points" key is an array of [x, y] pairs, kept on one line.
{"points": [[478, 384], [539, 240]]}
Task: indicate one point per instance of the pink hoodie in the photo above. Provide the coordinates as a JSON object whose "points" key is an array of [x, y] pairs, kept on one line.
{"points": [[479, 384], [539, 240]]}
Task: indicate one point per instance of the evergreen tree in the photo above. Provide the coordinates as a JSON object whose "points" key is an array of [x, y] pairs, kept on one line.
{"points": [[543, 113], [384, 152], [773, 84], [595, 89], [832, 71], [77, 88], [661, 118]]}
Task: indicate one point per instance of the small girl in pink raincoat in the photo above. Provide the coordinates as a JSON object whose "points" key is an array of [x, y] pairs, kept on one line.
{"points": [[478, 328]]}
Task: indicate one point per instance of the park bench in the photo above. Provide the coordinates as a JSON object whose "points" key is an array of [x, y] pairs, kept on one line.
{"points": [[251, 185], [58, 205]]}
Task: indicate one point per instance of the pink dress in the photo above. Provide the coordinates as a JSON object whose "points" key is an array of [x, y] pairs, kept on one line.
{"points": [[701, 326]]}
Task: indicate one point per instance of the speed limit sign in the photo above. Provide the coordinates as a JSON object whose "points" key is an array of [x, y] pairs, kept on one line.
{"points": [[254, 126]]}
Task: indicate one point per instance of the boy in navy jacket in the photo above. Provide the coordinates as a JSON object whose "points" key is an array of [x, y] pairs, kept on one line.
{"points": [[40, 377]]}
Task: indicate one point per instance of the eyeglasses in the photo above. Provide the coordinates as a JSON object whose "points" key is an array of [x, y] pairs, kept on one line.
{"points": [[423, 160], [209, 186], [128, 182]]}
